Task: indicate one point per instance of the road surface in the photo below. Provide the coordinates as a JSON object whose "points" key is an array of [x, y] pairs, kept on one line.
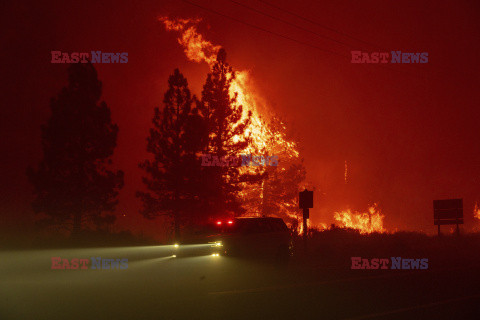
{"points": [[158, 286]]}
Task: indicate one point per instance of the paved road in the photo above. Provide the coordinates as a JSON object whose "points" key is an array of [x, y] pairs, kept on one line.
{"points": [[158, 286]]}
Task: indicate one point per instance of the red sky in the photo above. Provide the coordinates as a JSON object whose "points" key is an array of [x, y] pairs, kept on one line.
{"points": [[409, 132]]}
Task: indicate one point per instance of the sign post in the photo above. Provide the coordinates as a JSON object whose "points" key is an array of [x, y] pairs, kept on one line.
{"points": [[447, 212], [305, 202]]}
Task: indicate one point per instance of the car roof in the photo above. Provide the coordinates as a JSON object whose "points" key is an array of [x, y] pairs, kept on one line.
{"points": [[259, 218]]}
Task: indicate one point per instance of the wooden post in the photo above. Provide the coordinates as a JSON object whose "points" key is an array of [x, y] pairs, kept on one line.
{"points": [[305, 201], [305, 227]]}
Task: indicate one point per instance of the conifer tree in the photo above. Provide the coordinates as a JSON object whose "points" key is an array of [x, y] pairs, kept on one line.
{"points": [[173, 176], [227, 123], [72, 182]]}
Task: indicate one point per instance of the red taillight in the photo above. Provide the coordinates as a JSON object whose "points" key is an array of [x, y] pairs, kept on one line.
{"points": [[219, 223], [230, 222]]}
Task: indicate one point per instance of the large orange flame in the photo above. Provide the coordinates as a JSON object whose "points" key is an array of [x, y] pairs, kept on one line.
{"points": [[196, 47], [264, 139], [200, 50], [365, 222]]}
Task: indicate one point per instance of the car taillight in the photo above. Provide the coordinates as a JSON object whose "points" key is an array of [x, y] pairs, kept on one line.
{"points": [[230, 222], [219, 223]]}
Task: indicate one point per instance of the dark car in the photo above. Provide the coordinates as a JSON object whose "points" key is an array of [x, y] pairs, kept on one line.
{"points": [[254, 237]]}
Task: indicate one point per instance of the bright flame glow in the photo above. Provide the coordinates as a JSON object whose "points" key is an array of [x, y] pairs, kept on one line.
{"points": [[476, 212], [198, 49], [365, 222]]}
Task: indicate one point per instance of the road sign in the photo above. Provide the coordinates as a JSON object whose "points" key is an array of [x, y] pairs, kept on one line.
{"points": [[449, 211], [305, 199], [445, 211]]}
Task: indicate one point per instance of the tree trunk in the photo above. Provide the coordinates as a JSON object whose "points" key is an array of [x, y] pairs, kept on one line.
{"points": [[176, 214], [176, 221], [176, 218], [77, 224], [263, 199]]}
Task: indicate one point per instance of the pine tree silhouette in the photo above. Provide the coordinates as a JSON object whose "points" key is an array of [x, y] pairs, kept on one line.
{"points": [[72, 182], [227, 138], [174, 175]]}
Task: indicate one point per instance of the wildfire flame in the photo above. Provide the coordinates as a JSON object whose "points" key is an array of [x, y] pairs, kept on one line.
{"points": [[476, 212], [264, 139], [198, 49], [476, 216], [365, 222]]}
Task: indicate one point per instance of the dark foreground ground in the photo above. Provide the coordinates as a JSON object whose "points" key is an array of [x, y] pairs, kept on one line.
{"points": [[317, 285]]}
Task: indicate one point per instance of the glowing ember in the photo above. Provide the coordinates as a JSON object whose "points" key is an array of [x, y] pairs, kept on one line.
{"points": [[365, 222]]}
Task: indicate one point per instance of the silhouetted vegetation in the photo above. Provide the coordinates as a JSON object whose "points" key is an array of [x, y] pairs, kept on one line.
{"points": [[178, 185], [73, 185], [336, 246], [174, 176], [227, 137]]}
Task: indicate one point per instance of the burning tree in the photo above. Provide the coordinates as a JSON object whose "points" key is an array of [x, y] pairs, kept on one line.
{"points": [[276, 191], [227, 135], [280, 184], [174, 176], [72, 183]]}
